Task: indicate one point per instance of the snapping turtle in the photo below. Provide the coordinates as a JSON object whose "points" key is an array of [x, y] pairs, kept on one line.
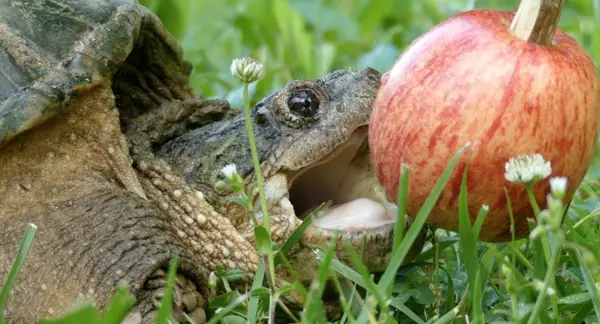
{"points": [[107, 149]]}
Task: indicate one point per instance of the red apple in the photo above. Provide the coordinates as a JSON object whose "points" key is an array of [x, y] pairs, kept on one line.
{"points": [[471, 79]]}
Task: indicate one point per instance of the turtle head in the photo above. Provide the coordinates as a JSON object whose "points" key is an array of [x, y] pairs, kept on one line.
{"points": [[311, 139]]}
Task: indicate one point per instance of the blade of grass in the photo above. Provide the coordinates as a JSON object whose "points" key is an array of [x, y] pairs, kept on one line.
{"points": [[314, 312], [450, 298], [412, 233], [257, 282], [345, 271], [589, 281], [401, 203], [296, 235], [522, 259], [166, 304], [346, 304], [468, 242], [85, 313], [399, 305], [119, 306], [512, 224], [9, 283], [218, 316], [483, 211], [448, 317], [582, 313], [443, 244], [364, 273]]}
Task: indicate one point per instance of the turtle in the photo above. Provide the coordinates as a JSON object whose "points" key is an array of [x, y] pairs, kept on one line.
{"points": [[110, 152]]}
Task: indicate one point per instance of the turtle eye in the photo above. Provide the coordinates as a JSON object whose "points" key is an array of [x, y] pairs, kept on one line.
{"points": [[303, 102]]}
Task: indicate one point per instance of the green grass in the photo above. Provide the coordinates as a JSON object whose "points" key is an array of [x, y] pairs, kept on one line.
{"points": [[10, 280], [456, 278]]}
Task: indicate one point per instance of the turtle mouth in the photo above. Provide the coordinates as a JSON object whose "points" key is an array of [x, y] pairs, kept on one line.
{"points": [[344, 184]]}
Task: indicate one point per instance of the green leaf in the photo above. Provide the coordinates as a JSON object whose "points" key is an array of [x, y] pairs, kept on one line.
{"points": [[450, 299], [298, 42], [263, 242], [422, 293], [483, 211], [325, 58], [574, 299]]}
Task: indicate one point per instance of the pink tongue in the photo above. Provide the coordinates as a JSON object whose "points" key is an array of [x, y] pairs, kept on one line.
{"points": [[362, 213]]}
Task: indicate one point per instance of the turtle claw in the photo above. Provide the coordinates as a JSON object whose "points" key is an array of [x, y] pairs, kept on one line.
{"points": [[187, 301]]}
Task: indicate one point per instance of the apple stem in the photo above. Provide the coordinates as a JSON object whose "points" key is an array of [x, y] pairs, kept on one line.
{"points": [[536, 21]]}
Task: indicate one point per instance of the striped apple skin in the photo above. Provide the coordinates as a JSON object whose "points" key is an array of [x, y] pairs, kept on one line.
{"points": [[469, 79]]}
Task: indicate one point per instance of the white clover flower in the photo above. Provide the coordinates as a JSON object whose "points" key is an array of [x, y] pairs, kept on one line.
{"points": [[247, 69], [527, 168], [229, 170], [558, 186], [539, 285]]}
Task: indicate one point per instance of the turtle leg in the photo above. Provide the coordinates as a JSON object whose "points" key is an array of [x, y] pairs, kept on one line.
{"points": [[97, 225], [89, 245]]}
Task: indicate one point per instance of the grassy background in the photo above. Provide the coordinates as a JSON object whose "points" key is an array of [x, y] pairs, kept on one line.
{"points": [[308, 38]]}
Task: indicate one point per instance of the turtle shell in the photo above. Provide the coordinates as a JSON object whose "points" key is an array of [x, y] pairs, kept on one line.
{"points": [[52, 51]]}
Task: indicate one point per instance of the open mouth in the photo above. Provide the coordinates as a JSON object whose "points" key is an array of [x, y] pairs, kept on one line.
{"points": [[343, 181]]}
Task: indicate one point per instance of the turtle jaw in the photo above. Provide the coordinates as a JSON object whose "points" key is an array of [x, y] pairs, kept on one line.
{"points": [[345, 185], [354, 210]]}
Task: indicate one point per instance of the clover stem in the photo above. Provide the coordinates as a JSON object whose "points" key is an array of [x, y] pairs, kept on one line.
{"points": [[255, 160], [532, 200], [548, 280], [268, 259], [536, 21]]}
